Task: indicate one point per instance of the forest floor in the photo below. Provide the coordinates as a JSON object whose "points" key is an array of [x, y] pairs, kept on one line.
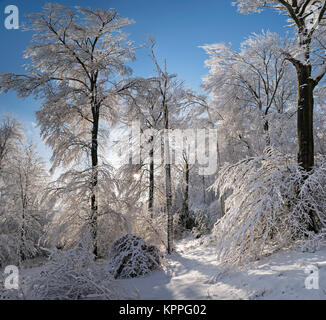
{"points": [[192, 272]]}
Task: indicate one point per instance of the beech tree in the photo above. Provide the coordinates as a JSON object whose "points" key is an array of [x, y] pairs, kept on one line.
{"points": [[75, 64], [249, 89], [143, 105], [172, 100], [307, 56]]}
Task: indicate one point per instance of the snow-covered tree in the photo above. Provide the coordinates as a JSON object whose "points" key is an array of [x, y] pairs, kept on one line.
{"points": [[270, 198], [307, 55], [75, 64], [158, 104], [143, 105], [307, 17], [253, 91], [23, 213], [28, 181], [172, 100]]}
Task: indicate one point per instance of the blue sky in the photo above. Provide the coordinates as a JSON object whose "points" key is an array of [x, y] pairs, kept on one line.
{"points": [[179, 27]]}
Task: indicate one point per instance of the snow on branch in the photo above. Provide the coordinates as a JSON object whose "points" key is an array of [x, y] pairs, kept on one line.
{"points": [[270, 206]]}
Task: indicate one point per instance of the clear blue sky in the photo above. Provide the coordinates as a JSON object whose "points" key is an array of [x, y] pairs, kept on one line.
{"points": [[179, 27]]}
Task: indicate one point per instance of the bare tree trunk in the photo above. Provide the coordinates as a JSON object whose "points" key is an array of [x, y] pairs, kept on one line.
{"points": [[168, 187], [94, 182], [21, 253], [222, 199], [166, 151], [169, 207], [204, 189], [22, 256], [305, 118], [185, 204], [305, 127], [306, 85], [151, 179], [266, 132]]}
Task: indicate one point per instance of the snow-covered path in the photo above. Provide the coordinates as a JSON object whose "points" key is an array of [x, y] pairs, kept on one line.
{"points": [[193, 273]]}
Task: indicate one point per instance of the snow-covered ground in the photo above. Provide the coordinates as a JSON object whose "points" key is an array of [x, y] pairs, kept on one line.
{"points": [[193, 272]]}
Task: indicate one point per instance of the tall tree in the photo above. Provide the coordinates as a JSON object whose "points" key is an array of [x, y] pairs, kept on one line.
{"points": [[308, 58], [75, 64], [143, 105], [252, 86], [172, 101]]}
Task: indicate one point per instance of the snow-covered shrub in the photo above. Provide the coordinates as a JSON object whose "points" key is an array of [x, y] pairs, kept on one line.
{"points": [[270, 206], [201, 224], [131, 257], [72, 275]]}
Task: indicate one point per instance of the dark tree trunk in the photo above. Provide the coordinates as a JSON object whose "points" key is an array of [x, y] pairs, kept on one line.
{"points": [[222, 198], [151, 179], [22, 237], [168, 187], [185, 205], [305, 118], [266, 132], [94, 182], [23, 196], [186, 198], [204, 190], [305, 127], [169, 207]]}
